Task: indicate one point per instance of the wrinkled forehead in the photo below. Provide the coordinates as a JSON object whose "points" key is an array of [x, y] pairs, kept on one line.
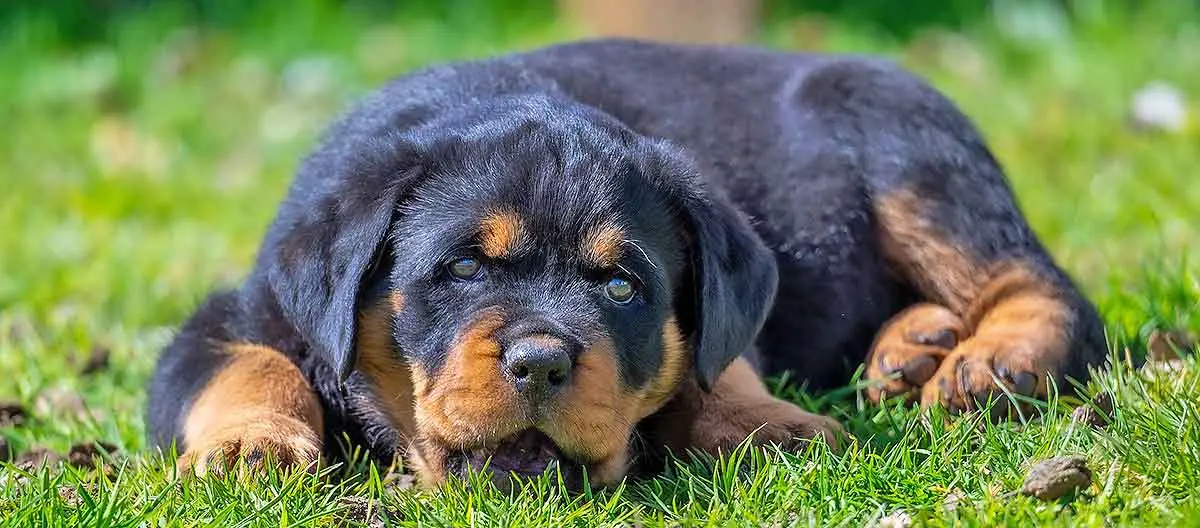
{"points": [[592, 213]]}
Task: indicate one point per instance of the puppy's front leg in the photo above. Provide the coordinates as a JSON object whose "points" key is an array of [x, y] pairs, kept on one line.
{"points": [[738, 407], [257, 407]]}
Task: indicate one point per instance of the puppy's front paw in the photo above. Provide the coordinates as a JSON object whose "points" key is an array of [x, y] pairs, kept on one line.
{"points": [[909, 349], [1020, 346], [985, 370], [279, 441]]}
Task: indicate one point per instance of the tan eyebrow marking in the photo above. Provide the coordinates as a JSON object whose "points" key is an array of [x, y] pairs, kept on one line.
{"points": [[501, 233], [603, 245]]}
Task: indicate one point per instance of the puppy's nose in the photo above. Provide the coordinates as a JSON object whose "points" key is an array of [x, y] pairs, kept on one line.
{"points": [[539, 366]]}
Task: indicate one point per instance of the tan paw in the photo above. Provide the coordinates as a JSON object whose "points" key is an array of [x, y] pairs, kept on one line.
{"points": [[1019, 346], [990, 371], [792, 428], [768, 421], [909, 349], [278, 441]]}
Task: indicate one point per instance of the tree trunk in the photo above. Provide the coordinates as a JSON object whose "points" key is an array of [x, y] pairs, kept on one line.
{"points": [[685, 21]]}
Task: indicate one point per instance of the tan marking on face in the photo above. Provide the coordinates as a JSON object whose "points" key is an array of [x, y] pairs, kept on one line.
{"points": [[379, 361], [501, 233], [468, 401], [676, 361], [426, 456], [596, 418], [428, 460], [603, 245], [396, 300]]}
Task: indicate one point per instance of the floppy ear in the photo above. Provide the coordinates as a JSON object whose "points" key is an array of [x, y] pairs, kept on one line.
{"points": [[328, 235], [734, 277], [732, 274]]}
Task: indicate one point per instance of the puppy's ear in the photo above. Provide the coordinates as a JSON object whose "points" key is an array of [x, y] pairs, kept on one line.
{"points": [[735, 277], [732, 276], [329, 235]]}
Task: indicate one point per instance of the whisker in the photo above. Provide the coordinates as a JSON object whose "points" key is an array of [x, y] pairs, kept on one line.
{"points": [[630, 273], [636, 244]]}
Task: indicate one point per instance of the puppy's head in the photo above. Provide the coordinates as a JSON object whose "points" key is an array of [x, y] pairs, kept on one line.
{"points": [[529, 280]]}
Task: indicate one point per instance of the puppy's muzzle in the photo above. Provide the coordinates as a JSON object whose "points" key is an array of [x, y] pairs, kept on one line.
{"points": [[539, 366]]}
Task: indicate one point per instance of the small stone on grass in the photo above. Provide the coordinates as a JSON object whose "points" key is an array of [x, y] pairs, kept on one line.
{"points": [[70, 495], [1167, 345], [1057, 477], [1164, 348]]}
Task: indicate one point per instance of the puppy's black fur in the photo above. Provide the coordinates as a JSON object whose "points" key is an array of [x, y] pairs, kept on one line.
{"points": [[750, 180]]}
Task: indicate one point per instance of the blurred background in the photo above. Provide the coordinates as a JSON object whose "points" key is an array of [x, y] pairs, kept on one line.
{"points": [[145, 144]]}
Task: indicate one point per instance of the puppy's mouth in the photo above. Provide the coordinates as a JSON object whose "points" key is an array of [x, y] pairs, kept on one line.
{"points": [[527, 454]]}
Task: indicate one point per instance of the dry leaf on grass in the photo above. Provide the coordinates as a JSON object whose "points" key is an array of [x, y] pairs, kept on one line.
{"points": [[12, 414], [97, 361], [36, 457], [90, 454], [1167, 345], [363, 511], [1096, 414]]}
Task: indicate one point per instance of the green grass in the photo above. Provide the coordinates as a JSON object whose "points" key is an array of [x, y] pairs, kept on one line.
{"points": [[140, 172]]}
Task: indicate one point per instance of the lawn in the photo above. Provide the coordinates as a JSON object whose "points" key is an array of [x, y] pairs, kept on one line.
{"points": [[139, 171]]}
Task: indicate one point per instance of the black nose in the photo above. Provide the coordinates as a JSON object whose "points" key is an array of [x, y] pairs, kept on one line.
{"points": [[538, 366]]}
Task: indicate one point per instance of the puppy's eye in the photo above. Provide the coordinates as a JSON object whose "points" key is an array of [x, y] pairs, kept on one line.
{"points": [[465, 268], [620, 290]]}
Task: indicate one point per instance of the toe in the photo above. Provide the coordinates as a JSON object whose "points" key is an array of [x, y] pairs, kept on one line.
{"points": [[919, 369], [1020, 382], [943, 338], [976, 386], [218, 460], [976, 378], [909, 350], [252, 455], [951, 385], [900, 372]]}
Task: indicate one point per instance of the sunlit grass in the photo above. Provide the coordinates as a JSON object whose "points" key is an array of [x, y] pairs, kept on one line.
{"points": [[140, 173]]}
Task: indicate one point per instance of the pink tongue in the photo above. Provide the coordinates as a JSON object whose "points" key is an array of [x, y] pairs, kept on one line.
{"points": [[529, 453]]}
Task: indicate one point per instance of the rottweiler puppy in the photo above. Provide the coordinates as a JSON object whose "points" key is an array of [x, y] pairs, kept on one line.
{"points": [[586, 256]]}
